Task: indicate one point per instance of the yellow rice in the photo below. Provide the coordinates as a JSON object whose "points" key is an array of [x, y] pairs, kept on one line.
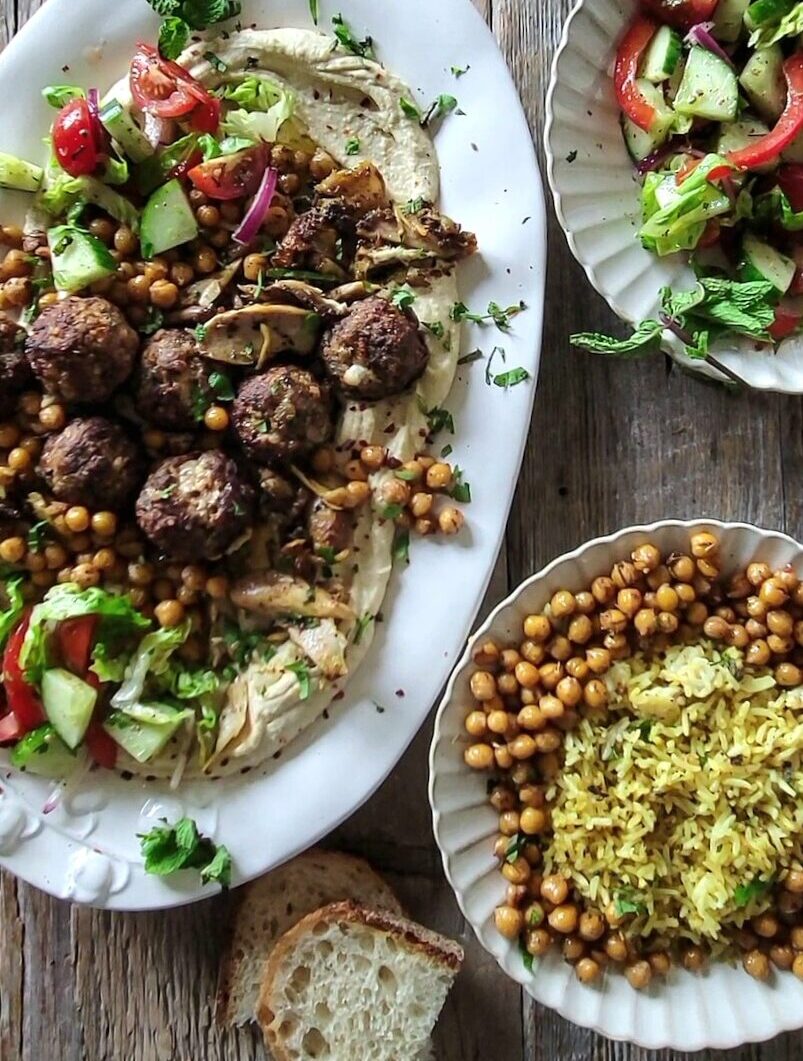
{"points": [[681, 805]]}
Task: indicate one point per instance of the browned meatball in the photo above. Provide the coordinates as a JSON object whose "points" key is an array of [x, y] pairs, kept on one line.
{"points": [[195, 507], [91, 462], [282, 414], [15, 372], [312, 239], [82, 349], [172, 387], [375, 352]]}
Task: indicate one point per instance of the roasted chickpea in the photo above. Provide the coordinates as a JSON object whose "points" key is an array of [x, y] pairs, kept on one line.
{"points": [[587, 970], [479, 756], [638, 974], [757, 964], [508, 921], [563, 604], [537, 628], [563, 918], [555, 889], [592, 925]]}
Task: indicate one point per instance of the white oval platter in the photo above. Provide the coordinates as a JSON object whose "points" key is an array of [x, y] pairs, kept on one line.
{"points": [[87, 850]]}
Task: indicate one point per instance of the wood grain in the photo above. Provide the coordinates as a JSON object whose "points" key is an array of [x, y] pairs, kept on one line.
{"points": [[616, 444]]}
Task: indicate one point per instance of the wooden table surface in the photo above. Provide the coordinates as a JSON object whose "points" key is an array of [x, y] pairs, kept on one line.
{"points": [[612, 444]]}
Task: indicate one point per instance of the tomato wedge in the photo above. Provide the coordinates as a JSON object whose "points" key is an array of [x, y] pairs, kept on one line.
{"points": [[75, 637], [789, 125], [165, 89], [10, 729], [101, 746], [786, 323], [74, 140], [628, 57], [231, 176], [681, 13], [21, 697]]}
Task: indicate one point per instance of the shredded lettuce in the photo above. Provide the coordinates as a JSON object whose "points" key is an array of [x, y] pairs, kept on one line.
{"points": [[151, 659], [190, 683], [117, 618], [774, 30], [675, 215], [62, 192], [206, 729], [264, 107], [12, 613]]}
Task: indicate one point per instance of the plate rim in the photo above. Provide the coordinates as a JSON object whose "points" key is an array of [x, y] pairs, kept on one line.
{"points": [[593, 1023], [164, 897]]}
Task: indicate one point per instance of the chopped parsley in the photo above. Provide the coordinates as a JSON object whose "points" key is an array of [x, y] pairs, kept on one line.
{"points": [[446, 451], [436, 327], [458, 71], [313, 10], [746, 894], [153, 321], [627, 901], [526, 957], [511, 378], [363, 623], [38, 535], [406, 475], [401, 546], [221, 386], [515, 847], [500, 317], [343, 32], [644, 727], [461, 491], [353, 146], [200, 402], [200, 332], [571, 157], [403, 297], [414, 206], [438, 420], [440, 108], [469, 359], [170, 848], [409, 109], [390, 511], [301, 671]]}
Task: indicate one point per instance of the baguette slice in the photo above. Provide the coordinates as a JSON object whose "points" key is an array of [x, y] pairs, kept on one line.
{"points": [[349, 982], [270, 905]]}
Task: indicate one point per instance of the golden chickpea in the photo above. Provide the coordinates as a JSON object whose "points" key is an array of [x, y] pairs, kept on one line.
{"points": [[578, 668], [181, 274], [772, 594], [560, 648], [757, 964], [55, 556], [486, 654], [538, 941], [479, 756], [758, 573], [125, 241], [758, 653], [572, 949], [509, 658], [509, 922], [498, 722], [788, 675], [502, 757], [524, 746], [569, 691], [551, 673], [537, 628], [613, 621], [780, 645], [517, 872], [533, 821], [755, 629], [595, 694], [780, 623], [587, 970], [357, 494], [660, 962], [509, 823], [209, 217], [216, 418], [603, 590], [562, 604], [696, 614], [616, 948], [53, 417], [599, 660], [451, 521], [555, 889], [716, 627], [787, 578], [551, 707], [797, 966], [476, 725], [19, 460], [527, 675], [439, 476], [646, 621], [164, 294], [483, 685], [686, 593], [532, 796], [580, 630], [666, 599], [531, 718], [667, 622], [205, 261], [793, 882], [169, 613], [85, 575], [533, 652], [563, 918], [638, 974], [12, 550], [765, 925], [77, 519], [693, 959], [591, 926]]}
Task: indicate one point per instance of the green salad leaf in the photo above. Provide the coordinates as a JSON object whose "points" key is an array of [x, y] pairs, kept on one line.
{"points": [[774, 208], [174, 36], [675, 215], [151, 660], [61, 192], [347, 39], [10, 615], [170, 848], [745, 894], [59, 95], [263, 108], [771, 31]]}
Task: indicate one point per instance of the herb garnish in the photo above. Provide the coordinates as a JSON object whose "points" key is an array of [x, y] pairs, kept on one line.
{"points": [[436, 327], [38, 535], [301, 671], [343, 32], [414, 206], [748, 893], [500, 317], [626, 901], [437, 419], [216, 62], [571, 157], [58, 95], [174, 36], [200, 332], [353, 146], [181, 16], [511, 378], [447, 449], [313, 10], [461, 491], [390, 511], [363, 622], [515, 847], [401, 546], [153, 321], [221, 386], [526, 957], [169, 848], [403, 297], [443, 105], [469, 359], [458, 71], [410, 109]]}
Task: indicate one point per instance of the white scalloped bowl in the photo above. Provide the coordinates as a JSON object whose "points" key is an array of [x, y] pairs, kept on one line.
{"points": [[598, 204], [721, 1008]]}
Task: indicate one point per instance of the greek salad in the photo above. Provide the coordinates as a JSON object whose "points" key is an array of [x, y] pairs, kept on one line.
{"points": [[711, 98]]}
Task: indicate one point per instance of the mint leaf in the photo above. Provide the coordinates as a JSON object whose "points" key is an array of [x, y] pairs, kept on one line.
{"points": [[343, 32], [401, 546], [512, 378], [410, 109], [403, 297], [644, 340], [219, 869], [313, 10], [174, 36], [170, 848]]}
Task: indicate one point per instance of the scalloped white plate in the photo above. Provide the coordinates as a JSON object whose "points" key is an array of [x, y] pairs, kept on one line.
{"points": [[87, 849], [721, 1008], [596, 193]]}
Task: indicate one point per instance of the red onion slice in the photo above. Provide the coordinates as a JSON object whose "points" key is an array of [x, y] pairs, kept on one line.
{"points": [[255, 215], [98, 132], [701, 35]]}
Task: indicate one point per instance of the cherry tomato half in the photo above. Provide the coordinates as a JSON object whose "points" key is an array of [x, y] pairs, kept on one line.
{"points": [[75, 637], [10, 729], [166, 90], [231, 176], [101, 746], [681, 13], [22, 699], [74, 140]]}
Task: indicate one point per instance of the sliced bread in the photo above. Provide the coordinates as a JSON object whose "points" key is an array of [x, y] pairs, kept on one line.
{"points": [[349, 982], [270, 905]]}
